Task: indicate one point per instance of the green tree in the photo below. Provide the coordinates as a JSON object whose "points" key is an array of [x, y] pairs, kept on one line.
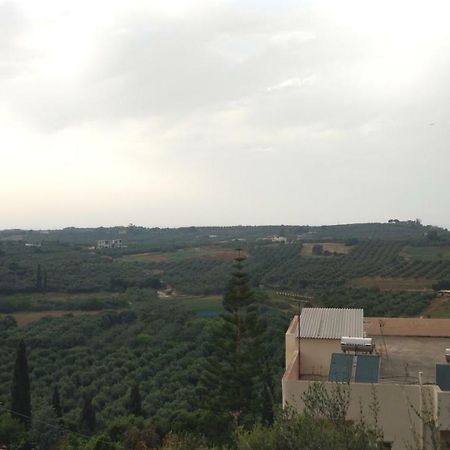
{"points": [[317, 249], [44, 281], [20, 393], [134, 402], [39, 278], [56, 402], [238, 372], [45, 429], [12, 432], [231, 373], [88, 420]]}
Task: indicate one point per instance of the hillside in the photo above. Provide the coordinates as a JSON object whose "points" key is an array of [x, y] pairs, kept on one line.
{"points": [[147, 313]]}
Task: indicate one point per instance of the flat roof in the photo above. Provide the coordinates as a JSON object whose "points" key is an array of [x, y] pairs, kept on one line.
{"points": [[397, 326], [403, 357], [331, 323]]}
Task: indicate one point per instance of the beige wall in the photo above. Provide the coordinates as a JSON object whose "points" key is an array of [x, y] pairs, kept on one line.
{"points": [[397, 404], [291, 342], [315, 355], [444, 410]]}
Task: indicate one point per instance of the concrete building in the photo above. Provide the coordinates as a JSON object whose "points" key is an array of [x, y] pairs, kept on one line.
{"points": [[407, 372], [110, 243]]}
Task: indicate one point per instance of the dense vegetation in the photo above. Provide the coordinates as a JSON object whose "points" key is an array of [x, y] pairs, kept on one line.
{"points": [[160, 347], [169, 354], [74, 268]]}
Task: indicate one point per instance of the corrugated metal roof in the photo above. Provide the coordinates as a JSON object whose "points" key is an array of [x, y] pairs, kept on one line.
{"points": [[331, 323]]}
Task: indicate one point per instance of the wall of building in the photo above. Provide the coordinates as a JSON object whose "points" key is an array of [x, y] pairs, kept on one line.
{"points": [[315, 355], [397, 403], [444, 409], [291, 344]]}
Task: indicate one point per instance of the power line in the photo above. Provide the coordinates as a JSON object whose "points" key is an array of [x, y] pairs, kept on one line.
{"points": [[59, 427]]}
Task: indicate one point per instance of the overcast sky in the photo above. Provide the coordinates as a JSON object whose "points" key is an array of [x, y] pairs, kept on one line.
{"points": [[223, 112]]}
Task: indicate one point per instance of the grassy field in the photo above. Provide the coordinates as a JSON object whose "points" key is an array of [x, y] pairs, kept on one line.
{"points": [[439, 308], [427, 253], [24, 318], [203, 305], [214, 252], [331, 247], [393, 284]]}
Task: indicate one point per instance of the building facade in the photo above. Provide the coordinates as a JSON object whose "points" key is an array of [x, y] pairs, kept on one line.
{"points": [[407, 373]]}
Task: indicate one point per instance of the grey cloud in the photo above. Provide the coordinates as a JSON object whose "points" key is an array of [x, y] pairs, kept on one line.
{"points": [[166, 68], [14, 57], [274, 111]]}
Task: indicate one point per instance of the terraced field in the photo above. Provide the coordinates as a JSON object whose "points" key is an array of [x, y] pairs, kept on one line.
{"points": [[332, 247], [183, 254], [431, 253], [391, 283]]}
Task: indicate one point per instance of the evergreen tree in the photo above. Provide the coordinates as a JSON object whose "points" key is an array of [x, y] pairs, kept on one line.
{"points": [[232, 372], [44, 280], [88, 421], [56, 402], [237, 297], [134, 402], [38, 278], [45, 430], [12, 432], [20, 393]]}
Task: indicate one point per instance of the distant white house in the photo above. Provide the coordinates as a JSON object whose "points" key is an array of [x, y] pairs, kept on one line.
{"points": [[276, 238], [32, 244], [109, 243]]}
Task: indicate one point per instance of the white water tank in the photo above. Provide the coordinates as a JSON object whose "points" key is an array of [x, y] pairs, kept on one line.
{"points": [[357, 344], [447, 355]]}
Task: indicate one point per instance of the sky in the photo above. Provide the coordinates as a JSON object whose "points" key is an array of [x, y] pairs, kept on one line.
{"points": [[214, 112]]}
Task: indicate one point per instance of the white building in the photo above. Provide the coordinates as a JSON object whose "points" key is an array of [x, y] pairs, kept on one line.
{"points": [[110, 243]]}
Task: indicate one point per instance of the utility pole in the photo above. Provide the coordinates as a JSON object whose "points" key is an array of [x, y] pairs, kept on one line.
{"points": [[298, 338]]}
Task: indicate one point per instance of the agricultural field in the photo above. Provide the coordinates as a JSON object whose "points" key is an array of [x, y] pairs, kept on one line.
{"points": [[438, 308], [391, 283], [37, 302], [431, 253], [332, 247], [183, 254], [206, 306], [25, 318], [94, 324]]}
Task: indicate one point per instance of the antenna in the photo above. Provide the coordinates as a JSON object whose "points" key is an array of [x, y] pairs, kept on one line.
{"points": [[381, 323]]}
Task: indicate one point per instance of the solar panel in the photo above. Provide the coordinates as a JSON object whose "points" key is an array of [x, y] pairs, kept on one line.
{"points": [[367, 368], [341, 367], [443, 376]]}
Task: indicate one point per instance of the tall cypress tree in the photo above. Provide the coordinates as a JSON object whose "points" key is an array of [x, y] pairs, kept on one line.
{"points": [[20, 392], [39, 278], [44, 281], [56, 402], [88, 420], [134, 402]]}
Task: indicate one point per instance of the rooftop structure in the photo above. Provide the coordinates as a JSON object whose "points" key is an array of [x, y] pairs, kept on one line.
{"points": [[407, 365], [331, 323]]}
